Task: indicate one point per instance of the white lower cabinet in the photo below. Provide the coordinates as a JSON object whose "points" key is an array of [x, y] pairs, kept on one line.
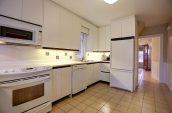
{"points": [[96, 71], [92, 73], [79, 78], [104, 72], [71, 80], [61, 82]]}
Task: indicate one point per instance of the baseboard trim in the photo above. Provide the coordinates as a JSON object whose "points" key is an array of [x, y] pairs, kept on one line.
{"points": [[169, 86]]}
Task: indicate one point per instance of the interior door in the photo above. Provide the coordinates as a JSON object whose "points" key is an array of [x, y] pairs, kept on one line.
{"points": [[145, 56], [122, 54]]}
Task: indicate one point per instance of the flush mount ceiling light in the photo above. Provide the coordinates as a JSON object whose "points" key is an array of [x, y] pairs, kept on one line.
{"points": [[110, 1]]}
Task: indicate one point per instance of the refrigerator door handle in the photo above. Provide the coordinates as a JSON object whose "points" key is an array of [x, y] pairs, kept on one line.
{"points": [[122, 70]]}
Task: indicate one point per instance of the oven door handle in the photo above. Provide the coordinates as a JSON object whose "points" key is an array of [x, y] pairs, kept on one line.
{"points": [[23, 82]]}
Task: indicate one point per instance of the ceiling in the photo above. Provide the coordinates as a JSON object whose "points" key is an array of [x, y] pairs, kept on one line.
{"points": [[151, 12]]}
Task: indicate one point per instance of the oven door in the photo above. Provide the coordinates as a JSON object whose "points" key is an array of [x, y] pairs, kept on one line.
{"points": [[20, 96]]}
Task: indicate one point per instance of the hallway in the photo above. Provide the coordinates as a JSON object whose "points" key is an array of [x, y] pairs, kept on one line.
{"points": [[150, 97]]}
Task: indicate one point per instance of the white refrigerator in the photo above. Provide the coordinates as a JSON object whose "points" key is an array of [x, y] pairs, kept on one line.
{"points": [[122, 63]]}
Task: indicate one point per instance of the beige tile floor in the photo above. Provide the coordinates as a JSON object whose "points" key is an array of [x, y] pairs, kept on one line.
{"points": [[151, 97]]}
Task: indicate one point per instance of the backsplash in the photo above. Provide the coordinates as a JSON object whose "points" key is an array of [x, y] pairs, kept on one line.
{"points": [[96, 56], [9, 53]]}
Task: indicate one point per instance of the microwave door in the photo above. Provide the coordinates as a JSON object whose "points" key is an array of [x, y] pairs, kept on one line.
{"points": [[16, 33]]}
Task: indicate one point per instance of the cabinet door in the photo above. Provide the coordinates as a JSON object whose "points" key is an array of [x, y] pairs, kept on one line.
{"points": [[116, 27], [57, 84], [83, 74], [108, 37], [92, 41], [96, 72], [66, 29], [128, 26], [89, 74], [51, 27], [95, 40], [76, 32], [66, 81], [76, 86], [92, 77], [33, 11], [102, 38], [11, 8]]}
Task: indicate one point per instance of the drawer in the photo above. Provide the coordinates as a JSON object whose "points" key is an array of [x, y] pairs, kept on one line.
{"points": [[105, 67]]}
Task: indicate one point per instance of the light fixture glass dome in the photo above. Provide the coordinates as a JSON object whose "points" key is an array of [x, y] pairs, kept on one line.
{"points": [[110, 1]]}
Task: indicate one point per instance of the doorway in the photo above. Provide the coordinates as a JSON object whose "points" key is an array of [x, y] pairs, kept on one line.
{"points": [[150, 58]]}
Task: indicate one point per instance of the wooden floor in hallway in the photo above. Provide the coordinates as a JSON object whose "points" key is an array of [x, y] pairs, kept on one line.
{"points": [[150, 97]]}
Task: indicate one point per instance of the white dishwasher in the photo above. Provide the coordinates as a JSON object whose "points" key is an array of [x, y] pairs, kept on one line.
{"points": [[104, 72], [79, 78]]}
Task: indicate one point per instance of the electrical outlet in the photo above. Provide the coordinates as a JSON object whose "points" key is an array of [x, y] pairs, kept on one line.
{"points": [[70, 57], [65, 54], [47, 53], [57, 57]]}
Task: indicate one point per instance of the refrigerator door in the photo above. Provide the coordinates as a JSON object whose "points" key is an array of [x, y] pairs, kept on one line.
{"points": [[122, 79], [122, 54]]}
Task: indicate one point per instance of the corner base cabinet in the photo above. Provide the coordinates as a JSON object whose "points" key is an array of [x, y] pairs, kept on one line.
{"points": [[61, 82]]}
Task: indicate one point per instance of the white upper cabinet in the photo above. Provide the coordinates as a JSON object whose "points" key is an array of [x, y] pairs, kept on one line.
{"points": [[95, 39], [128, 26], [108, 38], [11, 8], [70, 30], [76, 32], [92, 41], [51, 27], [104, 38], [33, 11], [61, 28], [66, 29], [124, 27], [116, 29], [27, 10]]}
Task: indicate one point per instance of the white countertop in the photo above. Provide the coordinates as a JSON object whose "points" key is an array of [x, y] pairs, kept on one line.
{"points": [[15, 65]]}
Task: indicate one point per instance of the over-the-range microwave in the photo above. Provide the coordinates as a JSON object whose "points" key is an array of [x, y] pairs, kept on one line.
{"points": [[14, 32], [19, 36]]}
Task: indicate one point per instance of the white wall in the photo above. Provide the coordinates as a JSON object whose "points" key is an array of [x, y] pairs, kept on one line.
{"points": [[156, 58], [169, 57]]}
